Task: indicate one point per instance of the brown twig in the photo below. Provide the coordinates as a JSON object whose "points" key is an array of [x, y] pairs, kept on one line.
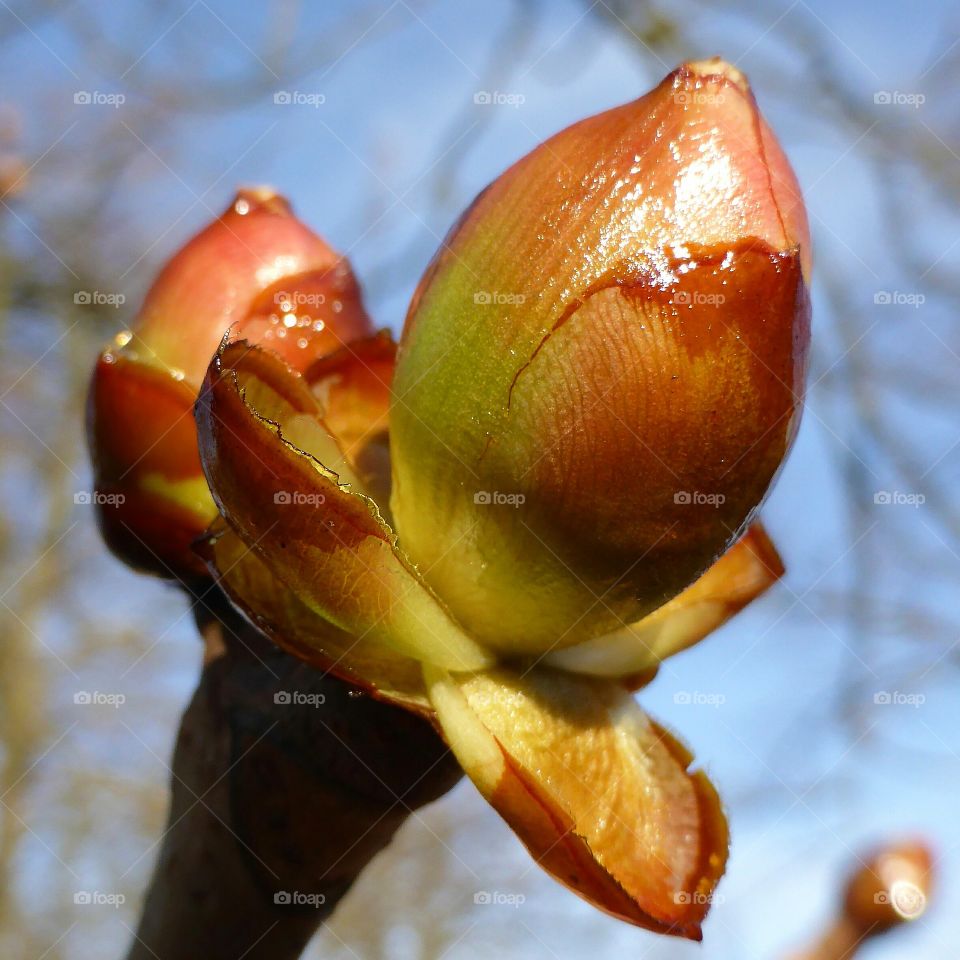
{"points": [[286, 782]]}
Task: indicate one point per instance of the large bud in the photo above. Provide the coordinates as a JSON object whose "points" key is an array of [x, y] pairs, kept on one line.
{"points": [[602, 370]]}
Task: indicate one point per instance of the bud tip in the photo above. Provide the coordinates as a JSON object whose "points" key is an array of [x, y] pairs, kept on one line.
{"points": [[718, 67], [262, 197]]}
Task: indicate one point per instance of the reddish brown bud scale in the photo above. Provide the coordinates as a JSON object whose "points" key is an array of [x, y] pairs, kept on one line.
{"points": [[140, 426], [257, 269]]}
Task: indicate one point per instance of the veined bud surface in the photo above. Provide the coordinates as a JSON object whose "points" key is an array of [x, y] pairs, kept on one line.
{"points": [[602, 370]]}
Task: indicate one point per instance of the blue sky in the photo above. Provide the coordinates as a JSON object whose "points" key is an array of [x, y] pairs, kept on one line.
{"points": [[811, 771]]}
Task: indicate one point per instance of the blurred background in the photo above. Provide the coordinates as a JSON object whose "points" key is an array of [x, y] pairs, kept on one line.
{"points": [[824, 713]]}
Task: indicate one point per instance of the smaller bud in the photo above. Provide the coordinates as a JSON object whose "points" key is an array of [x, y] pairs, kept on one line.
{"points": [[256, 268], [891, 888]]}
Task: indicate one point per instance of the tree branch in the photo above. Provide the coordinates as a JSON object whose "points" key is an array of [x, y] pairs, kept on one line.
{"points": [[276, 806]]}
